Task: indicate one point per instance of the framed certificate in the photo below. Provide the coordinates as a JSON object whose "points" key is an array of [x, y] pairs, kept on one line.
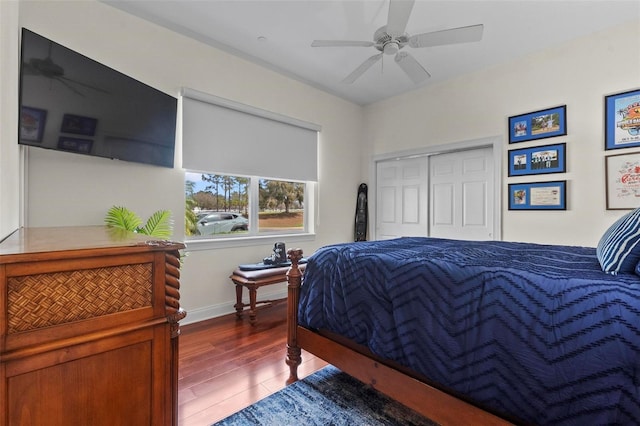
{"points": [[538, 195], [623, 181]]}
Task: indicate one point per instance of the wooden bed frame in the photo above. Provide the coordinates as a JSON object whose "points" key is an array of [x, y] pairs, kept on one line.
{"points": [[389, 378]]}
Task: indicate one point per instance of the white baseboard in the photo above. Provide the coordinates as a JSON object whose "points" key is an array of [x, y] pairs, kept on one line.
{"points": [[220, 309]]}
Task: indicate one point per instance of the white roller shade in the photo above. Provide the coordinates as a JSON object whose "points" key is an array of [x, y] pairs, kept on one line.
{"points": [[225, 137]]}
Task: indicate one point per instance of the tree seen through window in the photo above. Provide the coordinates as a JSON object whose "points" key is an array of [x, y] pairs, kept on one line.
{"points": [[221, 205]]}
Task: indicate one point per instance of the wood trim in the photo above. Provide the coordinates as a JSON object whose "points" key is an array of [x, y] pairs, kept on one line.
{"points": [[174, 315], [419, 396], [26, 361]]}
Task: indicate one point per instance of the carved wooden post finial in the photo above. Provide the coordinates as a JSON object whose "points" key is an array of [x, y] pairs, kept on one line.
{"points": [[294, 279]]}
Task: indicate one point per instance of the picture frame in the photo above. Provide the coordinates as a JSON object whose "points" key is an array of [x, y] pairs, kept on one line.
{"points": [[81, 146], [538, 195], [546, 123], [32, 123], [78, 125], [622, 177], [622, 120], [538, 160]]}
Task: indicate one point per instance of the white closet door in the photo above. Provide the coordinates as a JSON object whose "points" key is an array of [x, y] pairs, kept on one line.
{"points": [[461, 195], [401, 198]]}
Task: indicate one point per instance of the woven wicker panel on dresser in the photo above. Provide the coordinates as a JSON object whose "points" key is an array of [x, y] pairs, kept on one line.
{"points": [[43, 300]]}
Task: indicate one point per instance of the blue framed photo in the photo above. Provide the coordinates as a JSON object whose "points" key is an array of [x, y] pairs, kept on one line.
{"points": [[622, 120], [538, 160], [546, 123], [538, 195]]}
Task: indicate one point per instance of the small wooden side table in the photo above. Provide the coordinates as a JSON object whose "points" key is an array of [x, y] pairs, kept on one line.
{"points": [[252, 280]]}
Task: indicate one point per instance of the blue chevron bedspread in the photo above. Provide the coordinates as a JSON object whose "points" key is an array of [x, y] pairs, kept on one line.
{"points": [[538, 332]]}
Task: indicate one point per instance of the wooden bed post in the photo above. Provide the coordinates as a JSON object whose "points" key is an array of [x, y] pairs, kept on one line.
{"points": [[294, 279]]}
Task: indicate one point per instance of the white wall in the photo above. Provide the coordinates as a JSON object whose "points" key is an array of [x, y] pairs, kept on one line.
{"points": [[9, 153], [66, 189], [577, 74]]}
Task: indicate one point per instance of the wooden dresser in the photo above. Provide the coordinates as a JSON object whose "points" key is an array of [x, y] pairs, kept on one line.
{"points": [[88, 328]]}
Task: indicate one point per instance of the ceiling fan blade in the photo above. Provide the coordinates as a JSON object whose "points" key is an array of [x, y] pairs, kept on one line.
{"points": [[399, 12], [411, 67], [70, 87], [341, 43], [362, 68], [98, 89], [452, 36]]}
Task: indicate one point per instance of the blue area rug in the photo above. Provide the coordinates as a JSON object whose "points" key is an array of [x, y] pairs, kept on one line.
{"points": [[327, 397]]}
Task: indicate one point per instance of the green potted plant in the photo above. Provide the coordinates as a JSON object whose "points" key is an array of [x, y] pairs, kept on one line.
{"points": [[159, 224]]}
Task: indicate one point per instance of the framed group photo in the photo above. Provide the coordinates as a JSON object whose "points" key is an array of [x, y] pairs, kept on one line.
{"points": [[538, 195], [538, 160], [541, 124], [622, 173], [622, 120]]}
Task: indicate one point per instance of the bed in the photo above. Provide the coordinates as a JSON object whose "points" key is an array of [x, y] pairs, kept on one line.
{"points": [[469, 332]]}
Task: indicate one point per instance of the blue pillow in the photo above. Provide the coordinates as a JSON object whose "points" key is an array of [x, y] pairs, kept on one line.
{"points": [[619, 248]]}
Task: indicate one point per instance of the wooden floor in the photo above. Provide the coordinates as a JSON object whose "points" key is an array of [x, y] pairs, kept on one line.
{"points": [[227, 364]]}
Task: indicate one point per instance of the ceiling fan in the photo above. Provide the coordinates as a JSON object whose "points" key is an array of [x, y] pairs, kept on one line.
{"points": [[390, 39], [49, 69]]}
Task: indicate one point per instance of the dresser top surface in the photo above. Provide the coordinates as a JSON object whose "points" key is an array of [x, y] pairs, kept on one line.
{"points": [[27, 241]]}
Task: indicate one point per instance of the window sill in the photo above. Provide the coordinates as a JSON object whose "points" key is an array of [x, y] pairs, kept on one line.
{"points": [[219, 243]]}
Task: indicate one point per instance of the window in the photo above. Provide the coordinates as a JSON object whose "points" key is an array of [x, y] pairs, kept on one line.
{"points": [[229, 149], [280, 206], [221, 206]]}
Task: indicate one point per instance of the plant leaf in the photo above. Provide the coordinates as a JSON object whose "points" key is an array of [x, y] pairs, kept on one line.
{"points": [[122, 218], [158, 225]]}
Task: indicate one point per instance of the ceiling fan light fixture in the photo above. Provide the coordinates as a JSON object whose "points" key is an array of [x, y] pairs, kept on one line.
{"points": [[391, 48]]}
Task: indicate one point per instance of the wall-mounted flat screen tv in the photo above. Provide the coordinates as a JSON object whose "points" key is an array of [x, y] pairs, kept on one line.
{"points": [[71, 103]]}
